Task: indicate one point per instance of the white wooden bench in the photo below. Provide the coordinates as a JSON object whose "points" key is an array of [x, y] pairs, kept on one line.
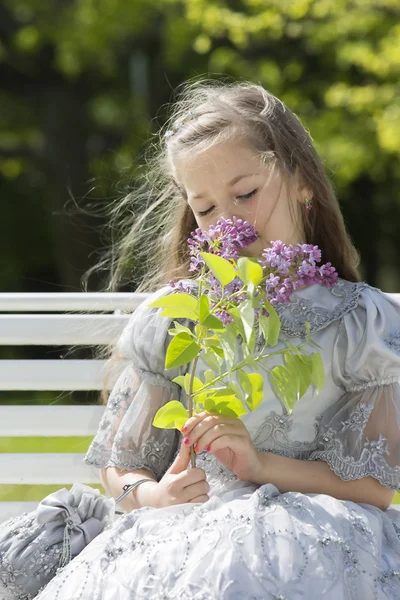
{"points": [[18, 326], [62, 374]]}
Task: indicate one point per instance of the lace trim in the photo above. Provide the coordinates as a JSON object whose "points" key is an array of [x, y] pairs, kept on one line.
{"points": [[371, 461], [372, 383], [152, 455]]}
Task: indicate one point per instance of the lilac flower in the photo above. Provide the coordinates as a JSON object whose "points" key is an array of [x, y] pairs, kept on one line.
{"points": [[292, 268], [287, 268], [180, 287], [225, 239]]}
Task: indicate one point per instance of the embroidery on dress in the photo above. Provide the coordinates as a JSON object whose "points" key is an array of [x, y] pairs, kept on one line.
{"points": [[392, 341], [358, 418]]}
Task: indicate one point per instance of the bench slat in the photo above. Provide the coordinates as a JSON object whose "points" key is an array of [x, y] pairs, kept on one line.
{"points": [[55, 375], [65, 301], [57, 330], [49, 421], [33, 469]]}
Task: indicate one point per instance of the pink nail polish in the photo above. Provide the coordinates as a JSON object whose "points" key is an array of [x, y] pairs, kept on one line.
{"points": [[186, 440], [208, 448]]}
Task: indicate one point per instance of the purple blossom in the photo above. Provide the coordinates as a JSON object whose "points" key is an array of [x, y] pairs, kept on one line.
{"points": [[292, 268], [180, 287], [286, 268], [225, 239]]}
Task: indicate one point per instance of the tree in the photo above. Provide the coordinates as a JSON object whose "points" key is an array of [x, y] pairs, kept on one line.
{"points": [[83, 84]]}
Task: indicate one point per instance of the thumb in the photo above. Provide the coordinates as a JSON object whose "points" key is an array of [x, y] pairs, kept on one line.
{"points": [[182, 460]]}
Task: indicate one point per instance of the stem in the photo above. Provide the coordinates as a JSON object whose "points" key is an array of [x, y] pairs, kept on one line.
{"points": [[190, 396], [239, 366]]}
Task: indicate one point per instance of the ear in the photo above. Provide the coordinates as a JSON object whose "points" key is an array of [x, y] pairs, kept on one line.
{"points": [[303, 192]]}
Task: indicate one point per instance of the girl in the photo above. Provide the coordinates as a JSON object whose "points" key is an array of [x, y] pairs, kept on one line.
{"points": [[278, 506]]}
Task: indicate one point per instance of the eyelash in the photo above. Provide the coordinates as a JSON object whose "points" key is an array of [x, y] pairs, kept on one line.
{"points": [[246, 196]]}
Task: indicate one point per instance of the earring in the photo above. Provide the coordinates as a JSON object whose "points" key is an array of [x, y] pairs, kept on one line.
{"points": [[309, 205]]}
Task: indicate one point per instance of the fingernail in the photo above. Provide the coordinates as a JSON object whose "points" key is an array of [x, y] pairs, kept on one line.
{"points": [[186, 440], [196, 448], [208, 448], [184, 428]]}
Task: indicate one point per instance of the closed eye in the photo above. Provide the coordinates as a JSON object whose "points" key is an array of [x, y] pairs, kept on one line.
{"points": [[244, 197]]}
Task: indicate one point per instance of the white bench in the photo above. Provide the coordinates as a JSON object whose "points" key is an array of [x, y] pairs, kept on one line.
{"points": [[62, 374], [23, 328]]}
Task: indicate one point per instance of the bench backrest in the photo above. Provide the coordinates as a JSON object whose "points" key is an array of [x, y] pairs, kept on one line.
{"points": [[58, 320]]}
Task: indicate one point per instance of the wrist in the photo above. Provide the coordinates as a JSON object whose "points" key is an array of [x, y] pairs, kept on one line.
{"points": [[260, 471], [144, 494]]}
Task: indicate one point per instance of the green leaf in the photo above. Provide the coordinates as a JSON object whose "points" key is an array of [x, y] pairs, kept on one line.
{"points": [[180, 327], [204, 307], [208, 375], [200, 331], [245, 383], [247, 315], [179, 305], [263, 323], [250, 271], [231, 406], [257, 391], [228, 343], [219, 408], [300, 370], [248, 353], [213, 361], [235, 313], [184, 382], [213, 342], [181, 350], [221, 391], [284, 386], [318, 375], [221, 268], [212, 322], [237, 389], [172, 415], [274, 325]]}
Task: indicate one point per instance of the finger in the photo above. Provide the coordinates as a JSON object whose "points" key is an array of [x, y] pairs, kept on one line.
{"points": [[200, 427], [229, 440], [193, 421], [207, 440]]}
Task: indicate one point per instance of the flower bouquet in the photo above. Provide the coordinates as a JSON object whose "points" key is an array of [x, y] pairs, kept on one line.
{"points": [[236, 298]]}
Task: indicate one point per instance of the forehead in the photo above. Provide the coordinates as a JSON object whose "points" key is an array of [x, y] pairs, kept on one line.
{"points": [[222, 163]]}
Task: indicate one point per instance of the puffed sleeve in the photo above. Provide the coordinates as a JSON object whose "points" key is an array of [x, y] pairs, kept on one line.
{"points": [[359, 435], [126, 437]]}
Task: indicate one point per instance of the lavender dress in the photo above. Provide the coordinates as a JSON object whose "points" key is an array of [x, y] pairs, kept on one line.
{"points": [[250, 542]]}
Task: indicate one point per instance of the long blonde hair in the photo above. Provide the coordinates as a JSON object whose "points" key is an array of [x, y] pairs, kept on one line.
{"points": [[155, 221]]}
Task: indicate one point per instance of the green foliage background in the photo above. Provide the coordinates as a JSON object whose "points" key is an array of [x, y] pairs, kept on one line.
{"points": [[83, 83]]}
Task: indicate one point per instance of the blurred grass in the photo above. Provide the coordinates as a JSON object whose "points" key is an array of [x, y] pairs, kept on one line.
{"points": [[63, 445], [35, 493]]}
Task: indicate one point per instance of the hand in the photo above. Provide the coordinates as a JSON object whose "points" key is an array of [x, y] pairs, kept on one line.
{"points": [[181, 485], [228, 439]]}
